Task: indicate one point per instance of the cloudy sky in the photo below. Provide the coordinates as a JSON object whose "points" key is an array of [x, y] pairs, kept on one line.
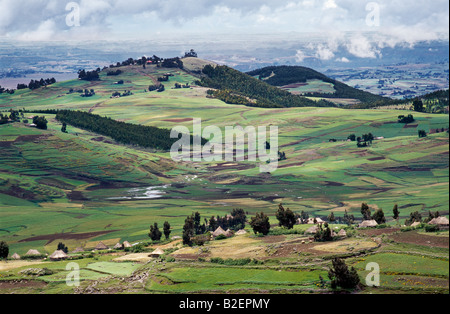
{"points": [[372, 24]]}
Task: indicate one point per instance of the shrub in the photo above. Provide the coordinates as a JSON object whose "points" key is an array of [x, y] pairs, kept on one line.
{"points": [[431, 228]]}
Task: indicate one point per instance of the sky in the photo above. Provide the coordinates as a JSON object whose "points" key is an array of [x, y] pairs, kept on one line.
{"points": [[362, 28]]}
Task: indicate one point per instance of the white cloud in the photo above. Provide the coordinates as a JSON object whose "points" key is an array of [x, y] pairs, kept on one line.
{"points": [[361, 47]]}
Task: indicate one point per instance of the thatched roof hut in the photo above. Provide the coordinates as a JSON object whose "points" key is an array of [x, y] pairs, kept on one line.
{"points": [[342, 233], [240, 232], [118, 246], [156, 253], [229, 233], [368, 223], [126, 244], [78, 250], [219, 231], [312, 230], [101, 246], [317, 219], [58, 255], [15, 256], [32, 252], [440, 221]]}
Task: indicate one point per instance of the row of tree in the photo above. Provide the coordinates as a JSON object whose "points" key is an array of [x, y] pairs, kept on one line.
{"points": [[122, 132], [35, 84]]}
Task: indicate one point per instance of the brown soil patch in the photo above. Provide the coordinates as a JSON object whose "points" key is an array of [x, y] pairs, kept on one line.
{"points": [[295, 85], [412, 237], [377, 232], [14, 284], [376, 158], [273, 239], [410, 126], [67, 236]]}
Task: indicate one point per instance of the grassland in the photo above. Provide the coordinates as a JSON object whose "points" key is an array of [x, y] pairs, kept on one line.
{"points": [[80, 188]]}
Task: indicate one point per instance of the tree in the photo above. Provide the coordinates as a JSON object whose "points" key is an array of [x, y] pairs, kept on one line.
{"points": [[155, 234], [304, 217], [422, 133], [365, 211], [331, 217], [166, 229], [286, 218], [378, 216], [238, 219], [418, 105], [4, 250], [413, 217], [62, 247], [260, 223], [64, 127], [341, 276], [212, 223], [323, 233], [396, 212], [188, 230], [348, 219], [41, 122]]}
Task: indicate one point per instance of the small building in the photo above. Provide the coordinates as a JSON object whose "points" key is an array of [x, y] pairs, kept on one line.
{"points": [[441, 222], [78, 250], [368, 224], [156, 253], [342, 233], [219, 231], [126, 244], [58, 255], [101, 246], [317, 221], [118, 246], [32, 252], [240, 232], [15, 256], [312, 230]]}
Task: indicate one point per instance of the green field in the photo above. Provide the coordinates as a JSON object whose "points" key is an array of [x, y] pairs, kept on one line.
{"points": [[80, 188]]}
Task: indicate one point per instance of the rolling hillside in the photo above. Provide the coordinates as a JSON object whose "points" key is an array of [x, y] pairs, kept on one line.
{"points": [[308, 82]]}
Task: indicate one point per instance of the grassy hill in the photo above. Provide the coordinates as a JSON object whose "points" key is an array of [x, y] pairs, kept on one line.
{"points": [[80, 187], [304, 81]]}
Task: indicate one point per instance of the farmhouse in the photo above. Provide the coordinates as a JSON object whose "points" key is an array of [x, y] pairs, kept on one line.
{"points": [[312, 230], [368, 223], [219, 231], [58, 255], [126, 244], [78, 250], [156, 253], [32, 252], [442, 222], [317, 221], [101, 246]]}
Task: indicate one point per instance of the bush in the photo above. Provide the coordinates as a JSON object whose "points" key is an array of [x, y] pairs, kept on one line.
{"points": [[431, 228]]}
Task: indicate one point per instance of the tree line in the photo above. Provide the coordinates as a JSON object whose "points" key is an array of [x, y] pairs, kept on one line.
{"points": [[122, 132], [233, 82]]}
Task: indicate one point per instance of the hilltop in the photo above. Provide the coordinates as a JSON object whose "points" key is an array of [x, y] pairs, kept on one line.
{"points": [[308, 82]]}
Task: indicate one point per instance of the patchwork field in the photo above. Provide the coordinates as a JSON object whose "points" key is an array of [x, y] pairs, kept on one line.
{"points": [[80, 188]]}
